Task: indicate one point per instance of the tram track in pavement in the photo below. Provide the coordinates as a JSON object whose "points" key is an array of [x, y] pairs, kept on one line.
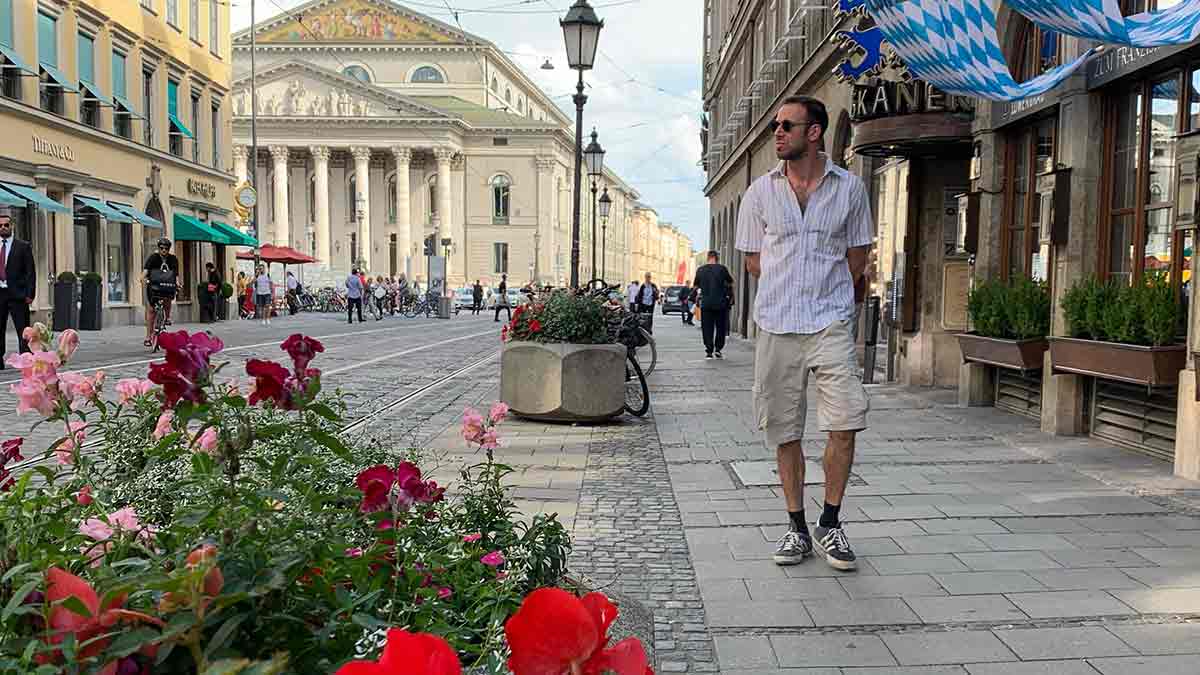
{"points": [[367, 416]]}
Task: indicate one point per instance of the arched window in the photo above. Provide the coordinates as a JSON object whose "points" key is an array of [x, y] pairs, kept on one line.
{"points": [[357, 72], [427, 75], [391, 199], [508, 95], [433, 201], [501, 198], [495, 86], [521, 105]]}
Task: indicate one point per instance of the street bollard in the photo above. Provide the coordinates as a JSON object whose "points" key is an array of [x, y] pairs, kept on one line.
{"points": [[870, 338]]}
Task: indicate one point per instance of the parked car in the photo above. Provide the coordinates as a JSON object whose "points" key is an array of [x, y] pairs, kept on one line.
{"points": [[672, 299], [464, 298], [516, 297]]}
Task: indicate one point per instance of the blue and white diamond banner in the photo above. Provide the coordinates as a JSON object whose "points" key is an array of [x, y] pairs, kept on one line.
{"points": [[953, 45], [1101, 20]]}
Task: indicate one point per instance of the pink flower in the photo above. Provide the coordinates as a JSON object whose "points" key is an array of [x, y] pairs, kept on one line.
{"points": [[94, 528], [33, 396], [445, 593], [132, 387], [399, 488], [84, 496], [490, 440], [473, 425], [121, 521], [163, 426], [81, 389], [68, 342], [208, 441], [493, 559], [37, 336], [38, 366], [126, 520], [498, 412], [354, 552], [66, 450], [472, 538]]}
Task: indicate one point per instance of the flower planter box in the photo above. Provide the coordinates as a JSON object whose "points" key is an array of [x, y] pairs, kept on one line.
{"points": [[563, 382], [1150, 366], [1021, 355]]}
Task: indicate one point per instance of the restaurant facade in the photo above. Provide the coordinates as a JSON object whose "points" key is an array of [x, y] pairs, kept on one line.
{"points": [[116, 127]]}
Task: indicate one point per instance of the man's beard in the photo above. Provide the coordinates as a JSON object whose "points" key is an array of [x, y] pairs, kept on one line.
{"points": [[793, 154]]}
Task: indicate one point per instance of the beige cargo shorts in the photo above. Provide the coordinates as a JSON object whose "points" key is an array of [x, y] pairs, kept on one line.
{"points": [[782, 365]]}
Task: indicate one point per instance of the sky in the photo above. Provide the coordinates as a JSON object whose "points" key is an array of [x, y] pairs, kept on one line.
{"points": [[644, 95]]}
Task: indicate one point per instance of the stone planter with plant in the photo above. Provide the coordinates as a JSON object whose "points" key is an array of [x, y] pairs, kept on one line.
{"points": [[66, 302], [1011, 321], [560, 363], [1124, 333], [91, 302]]}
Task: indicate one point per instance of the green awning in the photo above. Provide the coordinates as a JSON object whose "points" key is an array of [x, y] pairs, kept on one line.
{"points": [[178, 127], [103, 209], [9, 199], [236, 236], [188, 228], [146, 220], [15, 60], [93, 91], [40, 200], [125, 107], [58, 78]]}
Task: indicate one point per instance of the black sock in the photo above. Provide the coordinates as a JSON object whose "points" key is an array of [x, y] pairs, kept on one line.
{"points": [[829, 517], [798, 523]]}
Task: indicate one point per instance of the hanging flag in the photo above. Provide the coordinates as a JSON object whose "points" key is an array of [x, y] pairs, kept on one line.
{"points": [[953, 45], [1101, 20]]}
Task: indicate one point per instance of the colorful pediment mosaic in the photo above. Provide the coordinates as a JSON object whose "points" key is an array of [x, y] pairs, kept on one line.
{"points": [[354, 21]]}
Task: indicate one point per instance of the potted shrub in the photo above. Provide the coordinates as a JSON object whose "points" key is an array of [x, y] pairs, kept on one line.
{"points": [[1125, 333], [223, 306], [1011, 322], [559, 362], [90, 301], [66, 302]]}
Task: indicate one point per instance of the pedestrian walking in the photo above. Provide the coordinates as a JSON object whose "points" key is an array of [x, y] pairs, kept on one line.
{"points": [[647, 298], [293, 292], [213, 287], [631, 295], [685, 304], [264, 291], [354, 296], [476, 297], [18, 283], [805, 228], [502, 298], [715, 285]]}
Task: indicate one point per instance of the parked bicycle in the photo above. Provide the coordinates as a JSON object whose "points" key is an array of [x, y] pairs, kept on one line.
{"points": [[160, 322], [627, 328], [640, 338]]}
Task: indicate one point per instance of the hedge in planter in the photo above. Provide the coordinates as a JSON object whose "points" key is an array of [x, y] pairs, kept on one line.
{"points": [[1011, 322], [91, 302], [66, 302]]}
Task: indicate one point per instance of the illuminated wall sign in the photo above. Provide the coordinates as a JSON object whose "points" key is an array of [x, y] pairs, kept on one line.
{"points": [[55, 150], [889, 99], [201, 189]]}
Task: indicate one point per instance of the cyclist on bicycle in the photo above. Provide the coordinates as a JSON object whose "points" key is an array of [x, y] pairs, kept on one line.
{"points": [[162, 282]]}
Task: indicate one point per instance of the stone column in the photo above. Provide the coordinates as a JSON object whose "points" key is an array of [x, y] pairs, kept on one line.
{"points": [[362, 183], [320, 155], [240, 156], [443, 156], [282, 237], [546, 206], [403, 157]]}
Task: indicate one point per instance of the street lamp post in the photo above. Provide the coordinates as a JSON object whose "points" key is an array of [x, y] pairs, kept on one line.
{"points": [[594, 156], [360, 207], [605, 209], [581, 32]]}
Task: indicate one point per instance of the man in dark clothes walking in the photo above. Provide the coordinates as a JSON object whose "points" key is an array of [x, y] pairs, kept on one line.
{"points": [[502, 298], [18, 282], [715, 285], [476, 297]]}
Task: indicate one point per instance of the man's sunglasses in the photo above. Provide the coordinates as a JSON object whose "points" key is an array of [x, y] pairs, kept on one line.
{"points": [[788, 125]]}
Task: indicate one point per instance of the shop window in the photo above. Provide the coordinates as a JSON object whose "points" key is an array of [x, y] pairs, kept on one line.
{"points": [[500, 258], [118, 247], [1031, 156], [186, 252], [87, 243]]}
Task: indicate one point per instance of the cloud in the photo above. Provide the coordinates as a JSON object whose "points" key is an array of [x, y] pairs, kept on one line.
{"points": [[643, 95]]}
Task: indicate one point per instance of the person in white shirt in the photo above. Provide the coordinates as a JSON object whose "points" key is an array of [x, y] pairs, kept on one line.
{"points": [[293, 292], [631, 295], [263, 292], [806, 228]]}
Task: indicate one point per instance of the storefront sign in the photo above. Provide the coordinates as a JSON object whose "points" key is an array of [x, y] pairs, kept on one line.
{"points": [[201, 189], [1118, 62], [55, 150], [887, 99], [1006, 112]]}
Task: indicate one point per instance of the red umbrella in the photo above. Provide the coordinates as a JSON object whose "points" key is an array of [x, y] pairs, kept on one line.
{"points": [[270, 253]]}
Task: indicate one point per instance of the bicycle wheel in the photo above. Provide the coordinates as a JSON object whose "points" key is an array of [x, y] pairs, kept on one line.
{"points": [[637, 393], [412, 309], [653, 347], [160, 325]]}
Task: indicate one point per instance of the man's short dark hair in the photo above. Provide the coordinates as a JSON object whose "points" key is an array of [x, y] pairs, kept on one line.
{"points": [[714, 255], [814, 108]]}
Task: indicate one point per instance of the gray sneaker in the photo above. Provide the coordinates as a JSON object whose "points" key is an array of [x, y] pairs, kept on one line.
{"points": [[833, 543], [793, 548]]}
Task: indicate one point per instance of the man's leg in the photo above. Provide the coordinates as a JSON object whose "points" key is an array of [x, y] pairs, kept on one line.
{"points": [[149, 318], [708, 324], [722, 329], [4, 324], [20, 319]]}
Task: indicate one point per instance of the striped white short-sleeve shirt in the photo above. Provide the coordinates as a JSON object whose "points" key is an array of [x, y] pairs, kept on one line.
{"points": [[805, 285]]}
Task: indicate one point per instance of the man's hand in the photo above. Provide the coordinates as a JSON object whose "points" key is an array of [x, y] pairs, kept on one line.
{"points": [[752, 265], [29, 301], [857, 258]]}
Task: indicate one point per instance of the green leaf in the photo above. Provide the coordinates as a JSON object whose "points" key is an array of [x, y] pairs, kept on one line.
{"points": [[14, 571], [131, 641], [18, 598], [76, 605], [332, 443], [218, 640], [228, 667], [325, 411]]}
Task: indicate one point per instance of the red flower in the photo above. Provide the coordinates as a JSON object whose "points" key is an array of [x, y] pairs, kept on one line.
{"points": [[517, 313], [269, 380], [555, 632], [410, 654], [10, 450], [176, 386], [302, 349], [63, 585], [190, 354], [535, 326], [383, 487]]}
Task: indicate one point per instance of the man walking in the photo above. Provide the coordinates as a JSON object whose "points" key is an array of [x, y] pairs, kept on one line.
{"points": [[805, 228], [685, 303], [715, 284], [647, 297], [354, 296], [18, 283], [631, 295], [476, 297], [502, 298]]}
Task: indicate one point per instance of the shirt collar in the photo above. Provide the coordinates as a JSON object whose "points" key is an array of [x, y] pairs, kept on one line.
{"points": [[830, 168]]}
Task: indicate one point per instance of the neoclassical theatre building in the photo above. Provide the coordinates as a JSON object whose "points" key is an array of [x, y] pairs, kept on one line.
{"points": [[378, 126]]}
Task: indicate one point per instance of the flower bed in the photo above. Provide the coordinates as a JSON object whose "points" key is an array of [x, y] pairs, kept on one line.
{"points": [[191, 527]]}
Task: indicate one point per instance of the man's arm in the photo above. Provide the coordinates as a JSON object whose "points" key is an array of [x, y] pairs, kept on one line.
{"points": [[753, 267], [31, 276], [857, 257]]}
